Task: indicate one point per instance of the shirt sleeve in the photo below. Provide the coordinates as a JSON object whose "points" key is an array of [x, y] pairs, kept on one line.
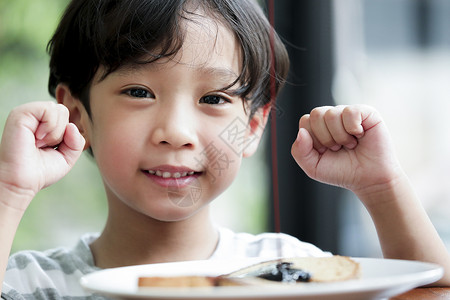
{"points": [[39, 275]]}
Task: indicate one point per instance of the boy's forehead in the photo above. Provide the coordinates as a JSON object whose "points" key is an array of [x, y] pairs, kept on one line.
{"points": [[209, 47]]}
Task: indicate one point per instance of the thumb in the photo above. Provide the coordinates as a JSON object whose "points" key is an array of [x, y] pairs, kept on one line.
{"points": [[72, 145], [304, 153]]}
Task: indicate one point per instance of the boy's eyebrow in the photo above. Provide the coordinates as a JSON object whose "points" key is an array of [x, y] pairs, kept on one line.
{"points": [[219, 72], [223, 75], [216, 72]]}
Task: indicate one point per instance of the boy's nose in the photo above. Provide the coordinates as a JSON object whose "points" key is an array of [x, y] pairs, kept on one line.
{"points": [[175, 127]]}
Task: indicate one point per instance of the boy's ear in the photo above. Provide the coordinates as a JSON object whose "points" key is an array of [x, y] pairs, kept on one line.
{"points": [[255, 129], [77, 112]]}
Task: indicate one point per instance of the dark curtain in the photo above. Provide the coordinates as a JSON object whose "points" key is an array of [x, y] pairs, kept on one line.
{"points": [[308, 210]]}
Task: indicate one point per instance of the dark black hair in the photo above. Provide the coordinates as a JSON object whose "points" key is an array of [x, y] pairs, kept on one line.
{"points": [[113, 33]]}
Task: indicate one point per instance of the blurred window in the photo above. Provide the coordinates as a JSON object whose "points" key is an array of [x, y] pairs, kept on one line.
{"points": [[395, 56]]}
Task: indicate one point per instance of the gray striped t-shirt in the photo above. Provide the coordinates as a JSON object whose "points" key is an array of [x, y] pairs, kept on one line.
{"points": [[51, 274]]}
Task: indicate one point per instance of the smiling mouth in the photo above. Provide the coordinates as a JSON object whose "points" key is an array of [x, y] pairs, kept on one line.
{"points": [[166, 174]]}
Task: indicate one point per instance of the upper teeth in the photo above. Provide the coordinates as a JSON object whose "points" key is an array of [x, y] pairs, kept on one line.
{"points": [[166, 174]]}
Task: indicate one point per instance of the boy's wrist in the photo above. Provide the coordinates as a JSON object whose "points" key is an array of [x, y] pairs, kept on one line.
{"points": [[396, 190], [14, 198]]}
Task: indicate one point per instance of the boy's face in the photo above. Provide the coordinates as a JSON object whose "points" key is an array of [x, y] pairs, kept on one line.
{"points": [[166, 138]]}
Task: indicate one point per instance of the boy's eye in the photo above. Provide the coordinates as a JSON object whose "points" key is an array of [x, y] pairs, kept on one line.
{"points": [[213, 99], [139, 93]]}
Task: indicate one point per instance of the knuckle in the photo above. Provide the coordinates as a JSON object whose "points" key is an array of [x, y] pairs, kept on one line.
{"points": [[63, 110], [304, 120], [332, 115], [316, 113], [350, 111]]}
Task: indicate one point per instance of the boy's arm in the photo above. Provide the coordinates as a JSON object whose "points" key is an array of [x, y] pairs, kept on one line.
{"points": [[38, 147], [403, 226], [350, 147], [9, 221]]}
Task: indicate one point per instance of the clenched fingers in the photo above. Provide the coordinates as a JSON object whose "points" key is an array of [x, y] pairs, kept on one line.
{"points": [[333, 127], [52, 126]]}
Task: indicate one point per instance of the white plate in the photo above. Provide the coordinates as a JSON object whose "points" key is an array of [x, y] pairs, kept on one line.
{"points": [[380, 278]]}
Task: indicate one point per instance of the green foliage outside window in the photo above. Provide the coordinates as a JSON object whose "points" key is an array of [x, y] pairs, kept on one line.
{"points": [[60, 213]]}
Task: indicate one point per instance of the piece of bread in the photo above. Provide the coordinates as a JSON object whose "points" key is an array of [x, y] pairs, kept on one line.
{"points": [[321, 269], [188, 281]]}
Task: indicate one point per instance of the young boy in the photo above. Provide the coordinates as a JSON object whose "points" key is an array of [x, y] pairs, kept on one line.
{"points": [[160, 92]]}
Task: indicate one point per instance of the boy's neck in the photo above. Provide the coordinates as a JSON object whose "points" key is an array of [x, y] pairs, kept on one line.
{"points": [[146, 240]]}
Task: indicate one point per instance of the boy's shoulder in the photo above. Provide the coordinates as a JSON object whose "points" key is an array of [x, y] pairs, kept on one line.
{"points": [[53, 273], [77, 257]]}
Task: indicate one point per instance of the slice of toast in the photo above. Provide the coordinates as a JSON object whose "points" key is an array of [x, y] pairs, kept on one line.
{"points": [[321, 269], [188, 281]]}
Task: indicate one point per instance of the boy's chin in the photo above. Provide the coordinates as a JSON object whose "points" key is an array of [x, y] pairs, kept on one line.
{"points": [[178, 213]]}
